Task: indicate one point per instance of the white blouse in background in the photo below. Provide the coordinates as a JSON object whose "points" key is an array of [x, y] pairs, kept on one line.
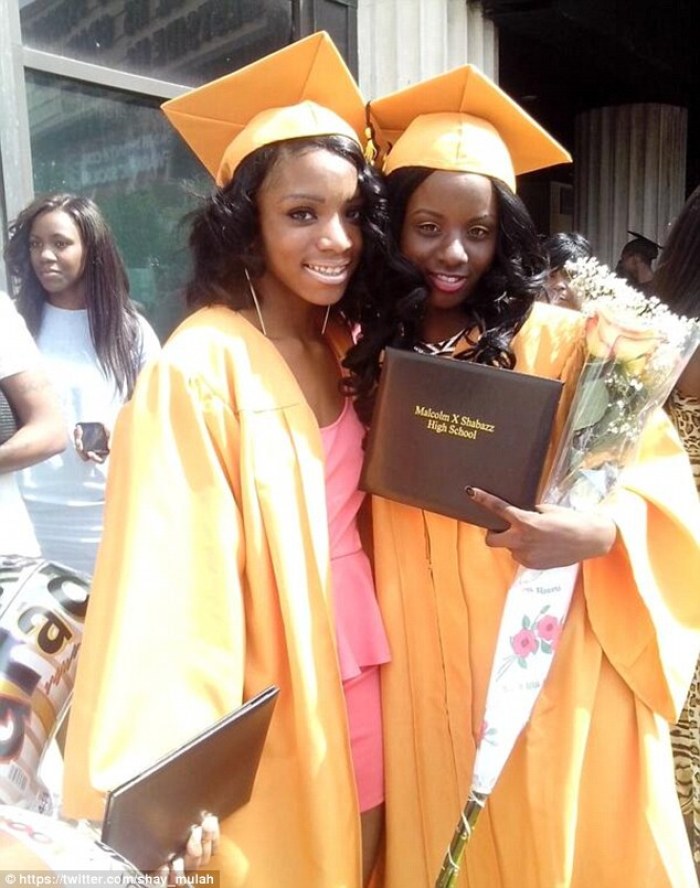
{"points": [[64, 494]]}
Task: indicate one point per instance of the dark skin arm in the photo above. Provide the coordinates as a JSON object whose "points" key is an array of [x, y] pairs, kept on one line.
{"points": [[42, 432]]}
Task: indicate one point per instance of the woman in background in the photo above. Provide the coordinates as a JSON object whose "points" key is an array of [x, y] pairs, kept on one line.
{"points": [[677, 283], [73, 291], [560, 248]]}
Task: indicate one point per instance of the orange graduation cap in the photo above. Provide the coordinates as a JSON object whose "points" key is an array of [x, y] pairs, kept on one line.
{"points": [[462, 121], [302, 90]]}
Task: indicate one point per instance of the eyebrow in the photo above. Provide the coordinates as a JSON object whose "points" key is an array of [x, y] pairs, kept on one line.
{"points": [[484, 217], [315, 198], [53, 234]]}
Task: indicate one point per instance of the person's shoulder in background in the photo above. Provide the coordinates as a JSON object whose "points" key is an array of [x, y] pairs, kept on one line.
{"points": [[18, 351]]}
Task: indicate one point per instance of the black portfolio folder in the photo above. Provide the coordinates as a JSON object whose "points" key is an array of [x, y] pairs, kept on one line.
{"points": [[148, 818], [440, 424]]}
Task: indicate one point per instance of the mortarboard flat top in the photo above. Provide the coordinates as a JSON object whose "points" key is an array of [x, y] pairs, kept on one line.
{"points": [[650, 246], [303, 90], [462, 121]]}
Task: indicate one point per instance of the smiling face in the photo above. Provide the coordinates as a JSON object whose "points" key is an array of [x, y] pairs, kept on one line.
{"points": [[309, 210], [449, 233], [57, 255]]}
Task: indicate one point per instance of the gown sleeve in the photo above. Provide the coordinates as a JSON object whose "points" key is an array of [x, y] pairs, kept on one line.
{"points": [[164, 641], [642, 598]]}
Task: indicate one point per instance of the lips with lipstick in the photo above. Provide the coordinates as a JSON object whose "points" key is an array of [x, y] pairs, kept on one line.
{"points": [[330, 274]]}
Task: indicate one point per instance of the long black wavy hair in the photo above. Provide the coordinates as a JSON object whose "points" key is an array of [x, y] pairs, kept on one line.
{"points": [[502, 301], [114, 327], [224, 234]]}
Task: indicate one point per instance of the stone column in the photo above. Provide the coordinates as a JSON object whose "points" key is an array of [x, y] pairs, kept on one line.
{"points": [[16, 183], [629, 173], [403, 41]]}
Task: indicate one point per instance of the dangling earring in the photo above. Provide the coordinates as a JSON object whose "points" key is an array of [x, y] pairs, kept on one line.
{"points": [[255, 301], [325, 320]]}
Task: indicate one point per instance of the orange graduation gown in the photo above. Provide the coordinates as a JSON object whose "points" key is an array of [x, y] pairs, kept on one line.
{"points": [[212, 582], [587, 798]]}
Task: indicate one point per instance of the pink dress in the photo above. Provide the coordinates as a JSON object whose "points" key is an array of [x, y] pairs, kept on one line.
{"points": [[361, 639]]}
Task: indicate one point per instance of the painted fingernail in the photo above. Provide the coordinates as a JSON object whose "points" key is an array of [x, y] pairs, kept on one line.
{"points": [[210, 823], [469, 490]]}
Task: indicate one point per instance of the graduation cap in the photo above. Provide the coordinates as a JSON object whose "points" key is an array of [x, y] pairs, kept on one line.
{"points": [[642, 244], [462, 121], [301, 91]]}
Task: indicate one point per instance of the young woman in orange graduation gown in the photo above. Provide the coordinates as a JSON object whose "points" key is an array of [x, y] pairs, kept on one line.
{"points": [[587, 795]]}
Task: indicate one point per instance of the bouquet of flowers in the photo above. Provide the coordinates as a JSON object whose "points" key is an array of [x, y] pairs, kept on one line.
{"points": [[636, 350]]}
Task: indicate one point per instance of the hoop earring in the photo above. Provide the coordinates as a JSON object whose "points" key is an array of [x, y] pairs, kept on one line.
{"points": [[325, 320], [255, 301]]}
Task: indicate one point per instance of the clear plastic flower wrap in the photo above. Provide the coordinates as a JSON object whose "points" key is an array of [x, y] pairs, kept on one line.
{"points": [[637, 349]]}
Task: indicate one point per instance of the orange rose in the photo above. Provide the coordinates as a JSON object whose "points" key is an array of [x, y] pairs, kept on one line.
{"points": [[631, 344], [596, 337]]}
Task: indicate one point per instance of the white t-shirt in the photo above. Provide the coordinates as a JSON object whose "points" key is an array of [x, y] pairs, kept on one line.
{"points": [[17, 354], [65, 495]]}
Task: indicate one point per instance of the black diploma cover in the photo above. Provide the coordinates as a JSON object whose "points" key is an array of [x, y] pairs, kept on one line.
{"points": [[148, 818], [441, 424]]}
